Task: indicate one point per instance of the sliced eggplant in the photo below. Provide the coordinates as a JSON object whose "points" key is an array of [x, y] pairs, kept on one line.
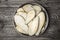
{"points": [[20, 30], [21, 22], [30, 16], [20, 10], [33, 26], [42, 21], [27, 8], [23, 14], [37, 9]]}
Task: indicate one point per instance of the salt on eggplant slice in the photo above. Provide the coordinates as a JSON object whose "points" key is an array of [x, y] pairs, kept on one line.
{"points": [[42, 21], [33, 26], [21, 22]]}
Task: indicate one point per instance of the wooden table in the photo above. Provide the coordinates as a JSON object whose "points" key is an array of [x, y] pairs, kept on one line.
{"points": [[8, 9]]}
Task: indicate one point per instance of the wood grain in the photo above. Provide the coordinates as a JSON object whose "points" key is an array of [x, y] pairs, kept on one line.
{"points": [[8, 9]]}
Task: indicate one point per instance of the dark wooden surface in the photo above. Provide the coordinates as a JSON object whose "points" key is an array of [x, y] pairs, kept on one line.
{"points": [[8, 9]]}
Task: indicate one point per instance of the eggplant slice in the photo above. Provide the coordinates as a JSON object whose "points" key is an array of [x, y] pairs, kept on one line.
{"points": [[33, 26], [37, 9], [42, 21], [27, 8], [23, 14], [20, 29], [21, 22], [30, 16]]}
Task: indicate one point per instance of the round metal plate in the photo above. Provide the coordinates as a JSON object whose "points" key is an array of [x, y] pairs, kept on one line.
{"points": [[46, 16]]}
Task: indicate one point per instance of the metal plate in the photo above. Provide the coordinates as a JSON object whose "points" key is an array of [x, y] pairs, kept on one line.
{"points": [[46, 17]]}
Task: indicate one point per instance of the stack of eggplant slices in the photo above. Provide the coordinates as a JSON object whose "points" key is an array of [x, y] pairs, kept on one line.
{"points": [[30, 19]]}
